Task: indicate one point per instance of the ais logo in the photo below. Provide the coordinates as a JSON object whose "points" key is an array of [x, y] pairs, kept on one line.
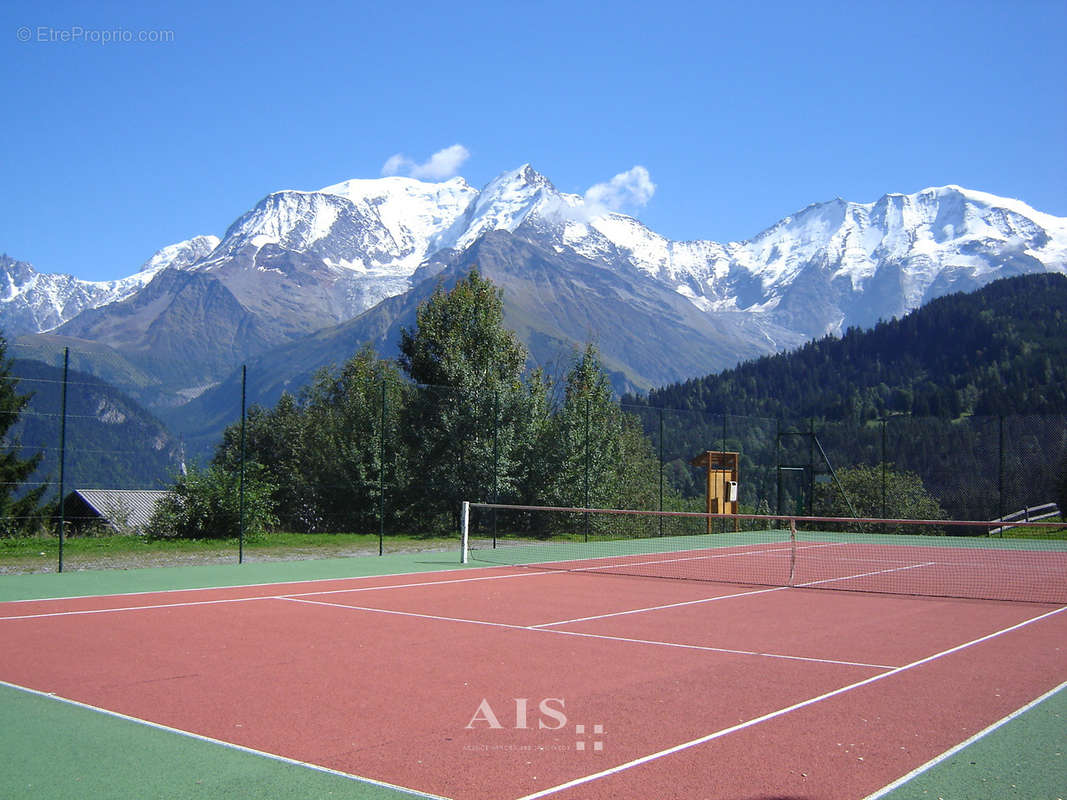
{"points": [[549, 715]]}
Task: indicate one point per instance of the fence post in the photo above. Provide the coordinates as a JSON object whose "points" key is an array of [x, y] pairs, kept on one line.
{"points": [[661, 468], [63, 453], [587, 457], [885, 468], [1001, 511], [241, 484], [496, 454], [496, 445], [811, 468], [778, 463], [381, 475]]}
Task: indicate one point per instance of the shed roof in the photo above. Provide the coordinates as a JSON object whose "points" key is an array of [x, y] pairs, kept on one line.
{"points": [[127, 507]]}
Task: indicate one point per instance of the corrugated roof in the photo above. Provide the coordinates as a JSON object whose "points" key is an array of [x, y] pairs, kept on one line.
{"points": [[131, 508]]}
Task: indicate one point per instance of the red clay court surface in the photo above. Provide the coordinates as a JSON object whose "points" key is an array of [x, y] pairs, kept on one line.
{"points": [[509, 683]]}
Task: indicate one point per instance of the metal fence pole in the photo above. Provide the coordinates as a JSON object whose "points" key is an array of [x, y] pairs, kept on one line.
{"points": [[661, 468], [496, 454], [811, 468], [381, 476], [885, 477], [587, 457], [241, 485], [63, 453], [1001, 510], [778, 463]]}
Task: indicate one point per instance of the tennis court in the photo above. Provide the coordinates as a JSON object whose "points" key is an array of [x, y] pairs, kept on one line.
{"points": [[592, 678]]}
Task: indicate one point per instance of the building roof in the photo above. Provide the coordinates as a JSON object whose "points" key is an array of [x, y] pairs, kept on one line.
{"points": [[129, 508]]}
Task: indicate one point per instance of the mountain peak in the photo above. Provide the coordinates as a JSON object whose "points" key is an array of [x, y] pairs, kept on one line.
{"points": [[504, 204], [523, 177], [180, 255], [357, 189]]}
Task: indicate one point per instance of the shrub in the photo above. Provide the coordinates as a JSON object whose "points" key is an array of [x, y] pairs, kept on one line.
{"points": [[206, 504]]}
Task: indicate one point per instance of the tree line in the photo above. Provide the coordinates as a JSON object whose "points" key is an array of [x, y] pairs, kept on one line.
{"points": [[999, 350], [968, 393], [397, 445], [402, 443]]}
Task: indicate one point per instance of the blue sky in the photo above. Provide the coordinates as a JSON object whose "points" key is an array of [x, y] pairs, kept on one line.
{"points": [[741, 113]]}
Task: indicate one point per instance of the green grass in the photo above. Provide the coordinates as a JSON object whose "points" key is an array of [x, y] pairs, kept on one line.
{"points": [[41, 553], [1055, 529]]}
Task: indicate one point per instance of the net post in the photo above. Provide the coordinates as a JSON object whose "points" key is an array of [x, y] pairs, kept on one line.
{"points": [[464, 528]]}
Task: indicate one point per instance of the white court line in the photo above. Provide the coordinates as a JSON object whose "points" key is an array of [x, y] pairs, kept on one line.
{"points": [[731, 596], [599, 636], [863, 575], [237, 586], [229, 745], [523, 574], [707, 648], [83, 611], [933, 762], [659, 608], [782, 711], [526, 573], [77, 612], [413, 614], [704, 557]]}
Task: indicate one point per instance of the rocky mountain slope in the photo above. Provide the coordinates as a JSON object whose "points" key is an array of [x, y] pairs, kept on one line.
{"points": [[312, 272]]}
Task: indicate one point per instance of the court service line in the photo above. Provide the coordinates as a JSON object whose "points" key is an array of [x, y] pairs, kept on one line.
{"points": [[679, 604], [864, 574], [526, 573], [393, 612], [221, 600], [599, 636], [83, 611], [221, 742], [729, 596], [294, 582], [933, 762], [783, 711], [708, 648]]}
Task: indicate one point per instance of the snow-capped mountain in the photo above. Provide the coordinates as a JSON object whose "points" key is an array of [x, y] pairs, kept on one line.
{"points": [[832, 265], [359, 240], [34, 302], [300, 262]]}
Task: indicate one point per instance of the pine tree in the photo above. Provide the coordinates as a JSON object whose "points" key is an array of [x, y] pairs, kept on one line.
{"points": [[603, 458], [469, 423], [20, 511]]}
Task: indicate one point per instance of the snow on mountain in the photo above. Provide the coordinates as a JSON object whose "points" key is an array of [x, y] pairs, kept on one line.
{"points": [[35, 302], [869, 260], [176, 256], [301, 259], [888, 257], [367, 226], [411, 210], [506, 203]]}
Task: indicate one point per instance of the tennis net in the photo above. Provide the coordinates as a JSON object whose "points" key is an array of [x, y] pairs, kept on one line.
{"points": [[937, 558]]}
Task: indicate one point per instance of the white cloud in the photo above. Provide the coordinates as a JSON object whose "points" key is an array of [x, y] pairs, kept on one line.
{"points": [[630, 189], [627, 191], [441, 165], [396, 164]]}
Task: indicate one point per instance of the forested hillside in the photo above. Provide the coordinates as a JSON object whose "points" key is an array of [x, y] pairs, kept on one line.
{"points": [[111, 441], [999, 350]]}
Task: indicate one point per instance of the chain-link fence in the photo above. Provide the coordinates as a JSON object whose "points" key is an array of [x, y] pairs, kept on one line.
{"points": [[372, 454]]}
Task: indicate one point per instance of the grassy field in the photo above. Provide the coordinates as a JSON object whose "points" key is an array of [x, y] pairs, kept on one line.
{"points": [[23, 555], [1056, 528]]}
